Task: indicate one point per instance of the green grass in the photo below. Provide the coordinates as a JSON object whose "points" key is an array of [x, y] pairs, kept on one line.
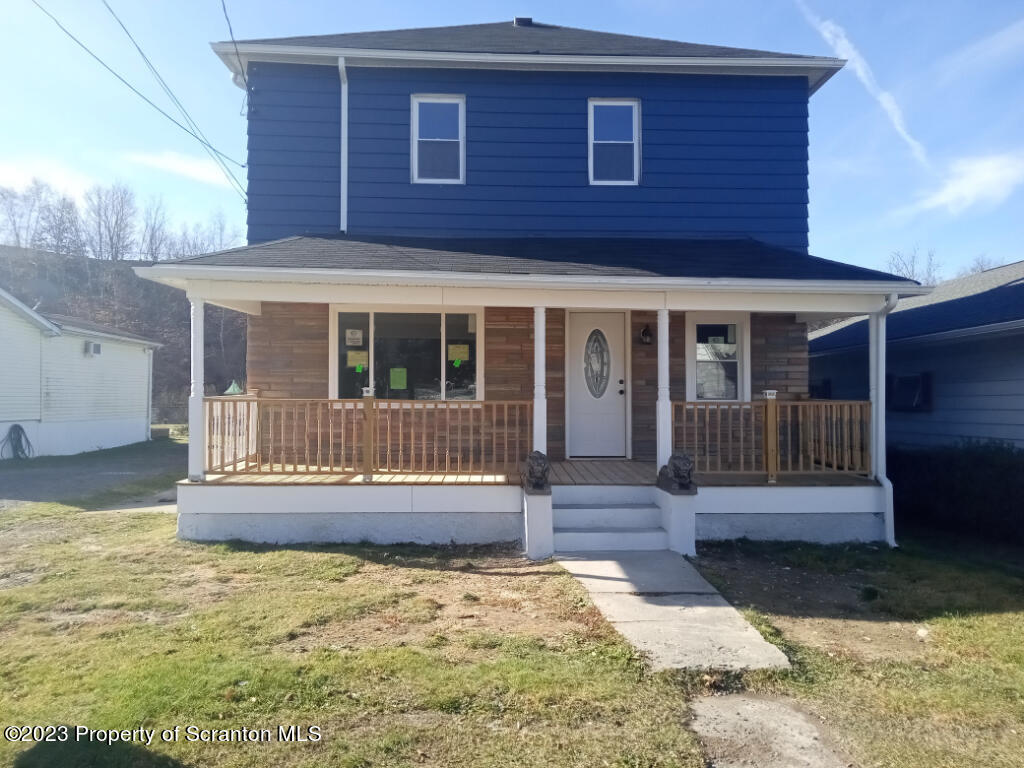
{"points": [[115, 623], [409, 656], [959, 702]]}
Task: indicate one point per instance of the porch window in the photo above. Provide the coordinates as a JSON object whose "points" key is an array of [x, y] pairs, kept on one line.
{"points": [[717, 356], [614, 141], [438, 139], [718, 367], [408, 355]]}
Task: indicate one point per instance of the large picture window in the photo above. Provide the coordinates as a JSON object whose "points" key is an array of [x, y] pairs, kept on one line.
{"points": [[408, 355], [614, 141], [438, 150]]}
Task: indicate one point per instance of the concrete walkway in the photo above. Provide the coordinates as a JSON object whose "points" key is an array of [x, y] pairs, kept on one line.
{"points": [[659, 602]]}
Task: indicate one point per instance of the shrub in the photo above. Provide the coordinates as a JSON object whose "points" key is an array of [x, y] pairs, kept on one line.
{"points": [[973, 488]]}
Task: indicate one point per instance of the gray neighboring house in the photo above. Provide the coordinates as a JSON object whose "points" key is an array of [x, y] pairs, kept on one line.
{"points": [[954, 363]]}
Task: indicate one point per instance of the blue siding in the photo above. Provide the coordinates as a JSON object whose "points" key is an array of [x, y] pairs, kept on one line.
{"points": [[294, 150], [721, 155]]}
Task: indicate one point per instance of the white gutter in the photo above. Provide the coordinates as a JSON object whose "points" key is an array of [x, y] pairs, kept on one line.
{"points": [[343, 74], [177, 274], [817, 69]]}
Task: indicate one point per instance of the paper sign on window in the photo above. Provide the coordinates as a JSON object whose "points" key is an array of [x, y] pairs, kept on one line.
{"points": [[458, 352], [399, 378], [357, 357], [353, 337]]}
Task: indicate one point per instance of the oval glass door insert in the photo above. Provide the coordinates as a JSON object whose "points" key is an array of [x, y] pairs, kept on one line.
{"points": [[597, 363]]}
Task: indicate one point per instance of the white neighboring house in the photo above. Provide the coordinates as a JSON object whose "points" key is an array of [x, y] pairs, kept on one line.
{"points": [[72, 385]]}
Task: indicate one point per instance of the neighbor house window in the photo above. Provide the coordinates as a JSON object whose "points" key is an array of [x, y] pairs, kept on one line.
{"points": [[408, 355], [911, 392], [438, 139], [614, 141], [717, 361]]}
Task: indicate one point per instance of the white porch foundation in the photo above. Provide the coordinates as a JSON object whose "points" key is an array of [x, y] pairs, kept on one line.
{"points": [[301, 514]]}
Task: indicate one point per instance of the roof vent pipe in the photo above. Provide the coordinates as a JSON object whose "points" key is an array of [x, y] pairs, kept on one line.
{"points": [[522, 21]]}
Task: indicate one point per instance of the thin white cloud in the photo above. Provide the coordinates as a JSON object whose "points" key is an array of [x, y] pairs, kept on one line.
{"points": [[196, 168], [18, 173], [836, 37], [991, 51], [971, 181]]}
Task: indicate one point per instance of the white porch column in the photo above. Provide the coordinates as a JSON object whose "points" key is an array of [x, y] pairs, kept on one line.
{"points": [[664, 410], [540, 390], [876, 372], [196, 421]]}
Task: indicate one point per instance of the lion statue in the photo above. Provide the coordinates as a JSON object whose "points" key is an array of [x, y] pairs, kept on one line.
{"points": [[677, 474], [537, 469]]}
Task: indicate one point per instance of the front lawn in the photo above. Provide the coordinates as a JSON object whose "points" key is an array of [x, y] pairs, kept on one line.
{"points": [[913, 657], [402, 656], [409, 656]]}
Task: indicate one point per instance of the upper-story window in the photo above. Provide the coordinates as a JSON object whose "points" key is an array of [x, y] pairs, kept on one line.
{"points": [[438, 139], [614, 141]]}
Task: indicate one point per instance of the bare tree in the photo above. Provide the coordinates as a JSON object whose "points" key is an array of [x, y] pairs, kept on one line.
{"points": [[60, 228], [20, 212], [155, 238], [926, 269], [982, 262], [110, 221]]}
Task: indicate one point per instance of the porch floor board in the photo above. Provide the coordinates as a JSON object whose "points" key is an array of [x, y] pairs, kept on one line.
{"points": [[571, 472]]}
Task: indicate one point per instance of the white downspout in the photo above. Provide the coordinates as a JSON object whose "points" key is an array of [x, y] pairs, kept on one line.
{"points": [[343, 75], [877, 353]]}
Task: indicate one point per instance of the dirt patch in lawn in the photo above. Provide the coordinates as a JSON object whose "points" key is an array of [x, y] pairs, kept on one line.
{"points": [[473, 604], [839, 613]]}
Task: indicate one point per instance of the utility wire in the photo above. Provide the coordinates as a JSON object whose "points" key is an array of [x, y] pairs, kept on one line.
{"points": [[238, 56], [131, 87], [232, 180]]}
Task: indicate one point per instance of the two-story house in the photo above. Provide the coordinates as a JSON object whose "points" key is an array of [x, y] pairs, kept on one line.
{"points": [[468, 243]]}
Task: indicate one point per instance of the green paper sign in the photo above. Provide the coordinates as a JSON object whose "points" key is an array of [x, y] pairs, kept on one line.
{"points": [[457, 363], [359, 369], [399, 378]]}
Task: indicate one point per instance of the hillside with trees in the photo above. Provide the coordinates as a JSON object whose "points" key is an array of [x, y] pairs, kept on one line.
{"points": [[62, 260]]}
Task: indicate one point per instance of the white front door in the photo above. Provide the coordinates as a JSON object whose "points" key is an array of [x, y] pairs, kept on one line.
{"points": [[596, 357]]}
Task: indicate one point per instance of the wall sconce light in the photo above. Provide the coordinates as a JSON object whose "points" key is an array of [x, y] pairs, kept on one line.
{"points": [[645, 335]]}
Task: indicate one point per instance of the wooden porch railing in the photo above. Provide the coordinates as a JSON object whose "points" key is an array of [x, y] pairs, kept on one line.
{"points": [[250, 435], [772, 437]]}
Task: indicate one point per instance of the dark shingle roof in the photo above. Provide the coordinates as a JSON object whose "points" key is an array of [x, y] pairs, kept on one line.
{"points": [[608, 257], [66, 321], [920, 317], [508, 38]]}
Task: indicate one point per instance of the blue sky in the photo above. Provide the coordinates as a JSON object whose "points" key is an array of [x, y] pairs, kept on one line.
{"points": [[919, 141]]}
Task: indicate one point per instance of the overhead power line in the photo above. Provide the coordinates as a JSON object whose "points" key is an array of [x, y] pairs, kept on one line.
{"points": [[132, 88], [238, 56], [232, 180]]}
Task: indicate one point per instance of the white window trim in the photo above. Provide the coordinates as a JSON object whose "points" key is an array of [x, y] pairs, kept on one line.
{"points": [[635, 104], [742, 322], [336, 309], [414, 130]]}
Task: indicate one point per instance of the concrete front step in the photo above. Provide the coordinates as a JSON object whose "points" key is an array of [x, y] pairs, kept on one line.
{"points": [[592, 539], [602, 494], [607, 515]]}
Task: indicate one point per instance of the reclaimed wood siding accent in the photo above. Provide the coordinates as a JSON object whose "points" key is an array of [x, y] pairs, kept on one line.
{"points": [[287, 352], [508, 363], [644, 378], [720, 154], [294, 145], [778, 355]]}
